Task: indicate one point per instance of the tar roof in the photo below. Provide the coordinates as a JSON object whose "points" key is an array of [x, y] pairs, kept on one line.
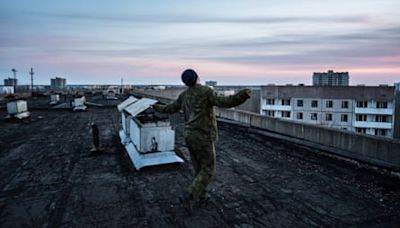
{"points": [[49, 178]]}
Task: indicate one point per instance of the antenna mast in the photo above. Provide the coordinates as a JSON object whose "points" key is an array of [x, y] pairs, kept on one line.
{"points": [[122, 85], [15, 79], [31, 73]]}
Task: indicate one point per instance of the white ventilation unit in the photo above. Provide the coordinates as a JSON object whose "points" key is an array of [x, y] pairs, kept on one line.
{"points": [[78, 104], [148, 139], [111, 95], [18, 109], [54, 99]]}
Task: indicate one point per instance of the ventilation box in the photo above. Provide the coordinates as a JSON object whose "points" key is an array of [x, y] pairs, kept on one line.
{"points": [[17, 109], [54, 99], [148, 138], [78, 104]]}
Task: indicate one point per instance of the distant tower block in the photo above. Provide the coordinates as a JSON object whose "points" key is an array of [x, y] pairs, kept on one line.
{"points": [[211, 83], [331, 78], [58, 83], [10, 82]]}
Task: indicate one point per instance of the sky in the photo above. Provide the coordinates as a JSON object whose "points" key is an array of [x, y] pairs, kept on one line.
{"points": [[246, 42]]}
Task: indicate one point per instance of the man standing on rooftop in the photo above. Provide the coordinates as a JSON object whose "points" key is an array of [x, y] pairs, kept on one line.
{"points": [[197, 102]]}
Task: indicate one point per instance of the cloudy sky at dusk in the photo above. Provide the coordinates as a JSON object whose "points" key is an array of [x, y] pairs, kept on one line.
{"points": [[231, 41]]}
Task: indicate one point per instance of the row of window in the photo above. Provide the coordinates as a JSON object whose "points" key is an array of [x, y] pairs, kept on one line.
{"points": [[328, 116], [378, 118], [329, 103], [382, 132], [379, 104], [300, 103], [284, 114], [283, 102], [313, 116]]}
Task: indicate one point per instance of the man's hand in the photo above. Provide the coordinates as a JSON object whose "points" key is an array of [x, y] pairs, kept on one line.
{"points": [[248, 92], [245, 93], [157, 108]]}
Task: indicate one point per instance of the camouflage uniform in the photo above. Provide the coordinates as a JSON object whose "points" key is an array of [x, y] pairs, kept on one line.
{"points": [[197, 103]]}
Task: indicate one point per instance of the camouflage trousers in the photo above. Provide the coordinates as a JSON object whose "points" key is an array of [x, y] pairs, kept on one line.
{"points": [[202, 154]]}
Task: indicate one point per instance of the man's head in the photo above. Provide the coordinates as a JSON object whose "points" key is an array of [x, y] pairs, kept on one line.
{"points": [[189, 77]]}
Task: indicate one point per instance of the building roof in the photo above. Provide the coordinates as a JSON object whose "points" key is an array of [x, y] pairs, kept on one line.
{"points": [[49, 178]]}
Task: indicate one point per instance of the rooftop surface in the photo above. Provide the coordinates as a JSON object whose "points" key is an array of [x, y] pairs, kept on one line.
{"points": [[49, 178]]}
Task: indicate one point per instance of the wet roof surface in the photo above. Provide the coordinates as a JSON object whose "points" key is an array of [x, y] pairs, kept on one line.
{"points": [[49, 178]]}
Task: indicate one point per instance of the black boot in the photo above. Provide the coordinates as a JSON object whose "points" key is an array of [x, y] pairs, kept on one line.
{"points": [[204, 200], [187, 201]]}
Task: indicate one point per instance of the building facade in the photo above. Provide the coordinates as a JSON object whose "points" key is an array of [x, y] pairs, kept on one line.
{"points": [[58, 83], [331, 78], [363, 109], [397, 110], [10, 82], [6, 89], [211, 83]]}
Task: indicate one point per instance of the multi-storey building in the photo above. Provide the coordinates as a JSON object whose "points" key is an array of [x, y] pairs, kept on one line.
{"points": [[58, 83], [10, 82], [363, 109], [331, 78], [211, 83], [397, 111]]}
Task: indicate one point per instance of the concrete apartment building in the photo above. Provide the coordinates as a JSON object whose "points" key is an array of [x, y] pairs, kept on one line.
{"points": [[10, 82], [211, 83], [58, 83], [331, 78], [363, 109]]}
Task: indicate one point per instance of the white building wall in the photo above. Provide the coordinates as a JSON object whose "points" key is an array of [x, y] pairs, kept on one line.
{"points": [[337, 110], [6, 90], [371, 111]]}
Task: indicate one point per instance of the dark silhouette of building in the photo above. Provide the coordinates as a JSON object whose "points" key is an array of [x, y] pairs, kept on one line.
{"points": [[211, 83], [10, 82], [58, 83], [331, 78]]}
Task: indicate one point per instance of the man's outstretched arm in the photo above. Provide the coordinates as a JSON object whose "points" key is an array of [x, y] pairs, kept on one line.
{"points": [[230, 101], [173, 107]]}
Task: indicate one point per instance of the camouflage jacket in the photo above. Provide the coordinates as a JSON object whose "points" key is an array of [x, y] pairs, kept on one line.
{"points": [[198, 103]]}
